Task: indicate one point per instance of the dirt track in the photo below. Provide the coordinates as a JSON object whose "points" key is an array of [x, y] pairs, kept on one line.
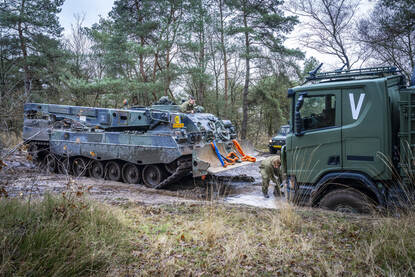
{"points": [[21, 178]]}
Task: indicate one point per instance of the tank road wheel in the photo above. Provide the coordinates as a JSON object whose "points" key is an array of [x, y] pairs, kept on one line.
{"points": [[80, 167], [130, 173], [96, 170], [113, 171], [51, 164], [347, 201], [33, 151], [64, 166], [152, 175]]}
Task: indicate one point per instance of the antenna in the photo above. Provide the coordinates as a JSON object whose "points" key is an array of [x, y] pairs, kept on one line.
{"points": [[340, 69], [313, 72]]}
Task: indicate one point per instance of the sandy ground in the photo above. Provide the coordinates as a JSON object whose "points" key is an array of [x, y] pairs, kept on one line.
{"points": [[20, 178]]}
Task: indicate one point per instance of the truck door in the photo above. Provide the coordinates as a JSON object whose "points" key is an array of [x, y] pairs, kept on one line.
{"points": [[365, 135], [317, 148]]}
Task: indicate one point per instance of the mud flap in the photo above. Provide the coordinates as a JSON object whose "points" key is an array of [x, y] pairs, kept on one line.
{"points": [[206, 162]]}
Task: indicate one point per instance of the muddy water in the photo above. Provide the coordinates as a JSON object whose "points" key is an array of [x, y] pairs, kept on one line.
{"points": [[254, 197], [21, 179]]}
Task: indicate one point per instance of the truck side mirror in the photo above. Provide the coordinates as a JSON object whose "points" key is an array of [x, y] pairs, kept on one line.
{"points": [[298, 120]]}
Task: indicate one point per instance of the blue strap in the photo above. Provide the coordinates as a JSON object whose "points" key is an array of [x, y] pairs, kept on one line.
{"points": [[218, 153]]}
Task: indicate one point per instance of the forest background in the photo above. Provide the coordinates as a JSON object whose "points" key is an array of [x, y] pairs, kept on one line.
{"points": [[229, 54]]}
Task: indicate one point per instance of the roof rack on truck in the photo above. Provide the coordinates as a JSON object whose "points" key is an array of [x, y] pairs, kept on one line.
{"points": [[341, 74]]}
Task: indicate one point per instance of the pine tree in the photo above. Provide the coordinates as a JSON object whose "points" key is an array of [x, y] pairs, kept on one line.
{"points": [[34, 24], [258, 24]]}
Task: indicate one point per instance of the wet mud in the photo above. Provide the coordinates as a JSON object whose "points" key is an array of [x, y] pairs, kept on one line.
{"points": [[21, 178]]}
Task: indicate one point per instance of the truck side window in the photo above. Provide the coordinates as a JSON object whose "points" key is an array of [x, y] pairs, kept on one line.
{"points": [[318, 112]]}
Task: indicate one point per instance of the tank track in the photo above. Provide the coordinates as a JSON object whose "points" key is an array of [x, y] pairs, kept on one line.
{"points": [[184, 169], [184, 166]]}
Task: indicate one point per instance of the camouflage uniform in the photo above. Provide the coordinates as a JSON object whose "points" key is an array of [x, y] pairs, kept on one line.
{"points": [[268, 172], [186, 107]]}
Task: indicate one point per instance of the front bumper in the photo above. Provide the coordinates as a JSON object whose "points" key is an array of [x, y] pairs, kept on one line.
{"points": [[275, 146]]}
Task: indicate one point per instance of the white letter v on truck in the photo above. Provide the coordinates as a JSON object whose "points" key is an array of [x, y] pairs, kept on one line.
{"points": [[356, 110]]}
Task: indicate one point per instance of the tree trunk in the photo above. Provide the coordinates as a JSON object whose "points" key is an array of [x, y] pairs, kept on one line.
{"points": [[217, 93], [202, 69], [201, 81], [225, 61], [142, 42], [27, 74], [244, 126], [168, 77], [156, 58]]}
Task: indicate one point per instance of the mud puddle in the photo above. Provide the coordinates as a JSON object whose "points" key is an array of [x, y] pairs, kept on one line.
{"points": [[252, 196]]}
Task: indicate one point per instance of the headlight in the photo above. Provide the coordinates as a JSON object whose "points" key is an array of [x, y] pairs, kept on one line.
{"points": [[270, 140]]}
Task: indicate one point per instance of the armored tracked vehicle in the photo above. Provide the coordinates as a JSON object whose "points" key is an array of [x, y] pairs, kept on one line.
{"points": [[155, 145]]}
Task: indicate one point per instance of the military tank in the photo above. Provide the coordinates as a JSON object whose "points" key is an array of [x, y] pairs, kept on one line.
{"points": [[156, 145]]}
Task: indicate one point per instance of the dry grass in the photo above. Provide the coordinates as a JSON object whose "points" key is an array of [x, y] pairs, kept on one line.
{"points": [[261, 143], [56, 237], [201, 240], [9, 139], [219, 240]]}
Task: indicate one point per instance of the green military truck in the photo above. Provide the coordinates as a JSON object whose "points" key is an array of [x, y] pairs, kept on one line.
{"points": [[351, 140]]}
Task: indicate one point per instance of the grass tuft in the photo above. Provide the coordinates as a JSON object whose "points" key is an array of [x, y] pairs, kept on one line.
{"points": [[52, 237]]}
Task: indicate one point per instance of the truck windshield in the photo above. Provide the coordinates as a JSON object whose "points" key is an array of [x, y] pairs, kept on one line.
{"points": [[284, 131]]}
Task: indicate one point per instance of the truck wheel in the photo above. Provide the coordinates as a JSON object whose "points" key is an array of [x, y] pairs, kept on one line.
{"points": [[96, 170], [272, 151], [80, 168], [113, 171], [130, 173], [152, 175], [347, 201]]}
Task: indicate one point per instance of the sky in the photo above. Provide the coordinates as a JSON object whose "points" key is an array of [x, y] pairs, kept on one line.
{"points": [[93, 9], [330, 62]]}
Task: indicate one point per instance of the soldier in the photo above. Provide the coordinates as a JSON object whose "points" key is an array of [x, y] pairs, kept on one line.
{"points": [[271, 167], [164, 100], [125, 104], [188, 106]]}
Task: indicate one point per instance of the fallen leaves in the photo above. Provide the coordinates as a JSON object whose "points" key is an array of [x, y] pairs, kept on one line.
{"points": [[3, 192], [2, 164]]}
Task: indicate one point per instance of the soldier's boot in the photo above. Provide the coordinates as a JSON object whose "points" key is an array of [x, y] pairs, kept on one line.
{"points": [[277, 191], [265, 191]]}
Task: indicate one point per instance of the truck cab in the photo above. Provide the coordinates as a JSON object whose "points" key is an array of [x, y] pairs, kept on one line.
{"points": [[344, 149]]}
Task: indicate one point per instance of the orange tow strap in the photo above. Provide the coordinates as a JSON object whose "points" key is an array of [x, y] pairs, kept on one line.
{"points": [[232, 157], [244, 156]]}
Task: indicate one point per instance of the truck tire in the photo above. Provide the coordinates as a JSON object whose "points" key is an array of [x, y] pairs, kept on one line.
{"points": [[347, 201]]}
